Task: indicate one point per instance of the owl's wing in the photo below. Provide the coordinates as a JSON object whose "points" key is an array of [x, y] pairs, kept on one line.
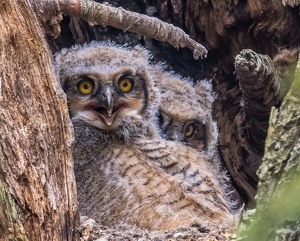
{"points": [[120, 186], [186, 167]]}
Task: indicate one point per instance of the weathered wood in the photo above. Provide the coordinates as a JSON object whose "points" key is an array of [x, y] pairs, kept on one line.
{"points": [[152, 27], [37, 187], [49, 14]]}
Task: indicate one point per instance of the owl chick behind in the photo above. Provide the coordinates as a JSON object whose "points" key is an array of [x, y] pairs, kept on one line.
{"points": [[185, 112]]}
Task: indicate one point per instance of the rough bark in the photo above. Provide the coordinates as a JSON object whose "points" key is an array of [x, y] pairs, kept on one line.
{"points": [[277, 213], [49, 15], [230, 26], [37, 185]]}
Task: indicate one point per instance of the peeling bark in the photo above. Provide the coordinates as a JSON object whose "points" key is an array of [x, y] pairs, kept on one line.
{"points": [[38, 198]]}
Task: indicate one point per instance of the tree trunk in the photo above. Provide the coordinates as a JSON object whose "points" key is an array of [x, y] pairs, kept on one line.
{"points": [[37, 187]]}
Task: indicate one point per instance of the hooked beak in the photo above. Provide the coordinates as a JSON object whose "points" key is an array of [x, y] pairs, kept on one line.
{"points": [[107, 98], [108, 106]]}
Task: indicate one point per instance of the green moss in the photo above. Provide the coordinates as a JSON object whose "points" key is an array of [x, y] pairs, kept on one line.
{"points": [[282, 209], [7, 204], [15, 231]]}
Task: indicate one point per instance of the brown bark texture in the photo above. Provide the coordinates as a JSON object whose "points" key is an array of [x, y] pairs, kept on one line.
{"points": [[37, 187], [225, 28]]}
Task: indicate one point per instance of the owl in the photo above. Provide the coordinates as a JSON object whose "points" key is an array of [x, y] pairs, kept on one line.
{"points": [[125, 172], [185, 112]]}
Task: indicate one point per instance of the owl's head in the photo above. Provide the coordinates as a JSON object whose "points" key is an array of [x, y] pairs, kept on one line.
{"points": [[185, 112], [107, 84]]}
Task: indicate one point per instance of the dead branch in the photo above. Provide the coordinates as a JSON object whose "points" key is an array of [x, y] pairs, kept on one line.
{"points": [[292, 3], [94, 13]]}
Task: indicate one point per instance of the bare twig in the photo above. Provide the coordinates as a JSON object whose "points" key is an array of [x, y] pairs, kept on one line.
{"points": [[292, 3], [49, 15], [103, 14]]}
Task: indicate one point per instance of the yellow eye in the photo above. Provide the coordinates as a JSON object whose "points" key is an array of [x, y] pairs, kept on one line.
{"points": [[125, 85], [189, 131], [86, 87]]}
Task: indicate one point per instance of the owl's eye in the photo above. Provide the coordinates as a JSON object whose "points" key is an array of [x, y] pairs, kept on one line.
{"points": [[125, 85], [86, 87], [194, 132], [189, 130]]}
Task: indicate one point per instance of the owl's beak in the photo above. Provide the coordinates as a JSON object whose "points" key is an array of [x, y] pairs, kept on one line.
{"points": [[174, 133], [107, 98]]}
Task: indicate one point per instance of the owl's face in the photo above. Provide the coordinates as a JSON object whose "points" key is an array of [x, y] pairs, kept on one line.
{"points": [[190, 131], [105, 99], [185, 112], [108, 85]]}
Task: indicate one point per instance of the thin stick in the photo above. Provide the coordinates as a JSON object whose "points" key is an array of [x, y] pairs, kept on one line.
{"points": [[103, 14]]}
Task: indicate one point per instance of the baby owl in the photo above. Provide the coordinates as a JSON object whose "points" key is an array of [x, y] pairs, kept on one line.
{"points": [[125, 172], [185, 112]]}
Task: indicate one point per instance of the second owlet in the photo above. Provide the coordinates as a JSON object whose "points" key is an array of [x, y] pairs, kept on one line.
{"points": [[125, 172], [185, 112]]}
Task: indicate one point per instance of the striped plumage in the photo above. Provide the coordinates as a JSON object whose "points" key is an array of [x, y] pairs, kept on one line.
{"points": [[125, 172], [146, 182]]}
